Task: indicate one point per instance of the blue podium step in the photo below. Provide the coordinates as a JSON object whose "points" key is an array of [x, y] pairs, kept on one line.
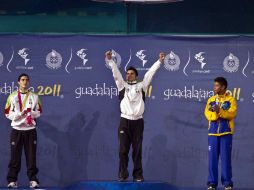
{"points": [[115, 185], [129, 185]]}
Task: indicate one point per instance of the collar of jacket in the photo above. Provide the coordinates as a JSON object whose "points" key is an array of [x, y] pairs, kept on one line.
{"points": [[224, 95], [24, 92], [132, 83]]}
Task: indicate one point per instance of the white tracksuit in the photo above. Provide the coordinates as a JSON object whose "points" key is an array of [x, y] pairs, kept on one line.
{"points": [[132, 105]]}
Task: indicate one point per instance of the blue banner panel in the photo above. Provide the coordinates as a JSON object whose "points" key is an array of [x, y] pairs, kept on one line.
{"points": [[77, 133]]}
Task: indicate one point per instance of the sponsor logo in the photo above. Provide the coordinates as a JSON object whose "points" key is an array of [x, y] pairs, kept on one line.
{"points": [[83, 56], [24, 55], [48, 90], [104, 90], [172, 62], [96, 90], [231, 63], [201, 59], [8, 88], [140, 54], [188, 93], [197, 93], [142, 58], [54, 60]]}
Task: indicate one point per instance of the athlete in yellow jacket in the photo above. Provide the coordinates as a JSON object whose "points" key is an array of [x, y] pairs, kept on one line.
{"points": [[221, 122], [220, 112]]}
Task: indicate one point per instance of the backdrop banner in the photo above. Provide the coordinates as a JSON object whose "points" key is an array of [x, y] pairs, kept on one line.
{"points": [[77, 132]]}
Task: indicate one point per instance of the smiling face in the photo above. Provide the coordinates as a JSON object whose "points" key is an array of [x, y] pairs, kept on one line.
{"points": [[23, 83], [131, 76]]}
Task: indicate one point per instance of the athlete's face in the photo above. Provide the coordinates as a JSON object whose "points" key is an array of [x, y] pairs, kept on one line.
{"points": [[23, 82], [131, 76], [218, 88]]}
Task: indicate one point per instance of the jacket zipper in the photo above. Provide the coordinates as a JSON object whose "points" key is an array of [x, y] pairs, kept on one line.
{"points": [[218, 130]]}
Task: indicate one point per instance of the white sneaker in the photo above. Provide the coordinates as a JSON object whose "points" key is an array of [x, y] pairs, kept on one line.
{"points": [[228, 188], [34, 184], [12, 185]]}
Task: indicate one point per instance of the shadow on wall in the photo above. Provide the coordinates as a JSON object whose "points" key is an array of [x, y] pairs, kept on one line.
{"points": [[72, 146], [158, 153]]}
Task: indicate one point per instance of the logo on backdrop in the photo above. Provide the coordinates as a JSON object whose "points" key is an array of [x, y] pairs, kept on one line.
{"points": [[116, 58], [7, 88], [197, 93], [23, 53], [231, 63], [1, 59], [97, 90], [188, 93], [54, 60], [253, 97], [82, 55], [172, 62], [201, 59], [103, 89], [140, 54]]}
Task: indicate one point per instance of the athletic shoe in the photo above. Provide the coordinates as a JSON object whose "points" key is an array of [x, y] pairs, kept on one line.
{"points": [[211, 187], [228, 188], [138, 179], [34, 184], [12, 185]]}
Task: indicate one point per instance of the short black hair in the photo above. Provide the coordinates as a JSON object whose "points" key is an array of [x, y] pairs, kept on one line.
{"points": [[133, 69], [23, 75], [222, 81]]}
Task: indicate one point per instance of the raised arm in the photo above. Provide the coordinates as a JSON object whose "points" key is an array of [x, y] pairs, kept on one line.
{"points": [[150, 73], [116, 73]]}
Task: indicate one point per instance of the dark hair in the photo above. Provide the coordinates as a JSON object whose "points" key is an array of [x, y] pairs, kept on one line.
{"points": [[23, 75], [222, 81], [133, 69]]}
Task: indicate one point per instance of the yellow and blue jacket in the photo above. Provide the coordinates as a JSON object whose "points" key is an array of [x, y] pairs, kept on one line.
{"points": [[221, 123]]}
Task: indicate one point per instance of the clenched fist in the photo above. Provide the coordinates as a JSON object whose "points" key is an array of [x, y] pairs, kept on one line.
{"points": [[161, 57], [108, 55]]}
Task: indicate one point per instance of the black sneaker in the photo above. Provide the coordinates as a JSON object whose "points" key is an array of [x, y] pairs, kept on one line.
{"points": [[211, 187], [228, 187], [138, 179]]}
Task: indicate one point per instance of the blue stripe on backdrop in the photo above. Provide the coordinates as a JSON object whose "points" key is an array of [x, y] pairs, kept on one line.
{"points": [[78, 129]]}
